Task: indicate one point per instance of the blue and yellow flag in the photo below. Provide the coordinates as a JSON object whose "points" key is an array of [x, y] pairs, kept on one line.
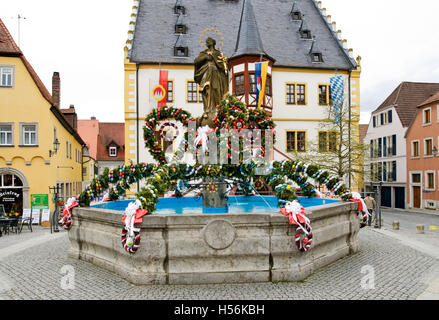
{"points": [[261, 79]]}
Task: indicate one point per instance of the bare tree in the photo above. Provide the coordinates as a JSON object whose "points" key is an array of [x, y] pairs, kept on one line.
{"points": [[338, 148]]}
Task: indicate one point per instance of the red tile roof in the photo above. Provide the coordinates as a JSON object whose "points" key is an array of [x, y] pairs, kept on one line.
{"points": [[7, 43], [406, 97], [8, 47], [111, 134]]}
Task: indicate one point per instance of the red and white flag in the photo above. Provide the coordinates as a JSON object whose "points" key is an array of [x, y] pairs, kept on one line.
{"points": [[159, 88]]}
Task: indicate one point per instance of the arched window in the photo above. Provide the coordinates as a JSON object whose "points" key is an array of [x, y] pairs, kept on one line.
{"points": [[10, 181]]}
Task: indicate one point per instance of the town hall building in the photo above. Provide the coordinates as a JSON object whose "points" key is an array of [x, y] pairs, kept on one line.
{"points": [[302, 45]]}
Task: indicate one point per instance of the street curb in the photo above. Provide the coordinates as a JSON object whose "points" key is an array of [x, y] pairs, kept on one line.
{"points": [[410, 211]]}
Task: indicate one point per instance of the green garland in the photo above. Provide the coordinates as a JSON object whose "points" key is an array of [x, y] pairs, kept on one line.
{"points": [[231, 114], [150, 128]]}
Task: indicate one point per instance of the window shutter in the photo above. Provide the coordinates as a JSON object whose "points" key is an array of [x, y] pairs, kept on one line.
{"points": [[394, 170], [390, 116], [371, 148], [374, 121], [380, 147], [394, 144], [384, 147]]}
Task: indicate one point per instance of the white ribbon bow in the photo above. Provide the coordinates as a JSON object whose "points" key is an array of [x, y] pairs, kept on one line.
{"points": [[130, 217], [203, 137], [296, 209], [357, 196]]}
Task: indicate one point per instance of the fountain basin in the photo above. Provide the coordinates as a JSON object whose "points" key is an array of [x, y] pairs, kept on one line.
{"points": [[214, 248], [235, 204]]}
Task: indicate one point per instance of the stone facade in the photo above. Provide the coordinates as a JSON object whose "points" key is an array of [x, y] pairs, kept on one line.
{"points": [[214, 248]]}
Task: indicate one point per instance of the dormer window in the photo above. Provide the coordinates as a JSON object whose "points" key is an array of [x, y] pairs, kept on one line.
{"points": [[296, 15], [180, 28], [179, 10], [181, 51], [305, 34], [317, 57], [112, 151]]}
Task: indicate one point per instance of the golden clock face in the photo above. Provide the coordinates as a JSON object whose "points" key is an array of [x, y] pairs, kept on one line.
{"points": [[213, 33]]}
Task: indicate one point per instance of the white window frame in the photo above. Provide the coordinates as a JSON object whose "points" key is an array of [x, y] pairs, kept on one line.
{"points": [[110, 149], [423, 117], [411, 178], [2, 68], [425, 147], [22, 134], [11, 124], [426, 180], [419, 149]]}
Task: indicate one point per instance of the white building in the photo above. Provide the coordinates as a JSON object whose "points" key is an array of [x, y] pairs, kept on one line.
{"points": [[301, 43], [386, 160]]}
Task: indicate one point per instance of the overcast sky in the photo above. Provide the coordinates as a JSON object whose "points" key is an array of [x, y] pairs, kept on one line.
{"points": [[84, 40]]}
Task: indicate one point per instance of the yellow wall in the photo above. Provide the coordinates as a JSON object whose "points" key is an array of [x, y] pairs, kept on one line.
{"points": [[25, 103], [130, 114], [88, 169], [357, 179]]}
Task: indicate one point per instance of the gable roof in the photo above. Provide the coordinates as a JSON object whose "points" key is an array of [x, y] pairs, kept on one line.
{"points": [[7, 43], [154, 34], [110, 133], [8, 47], [434, 98], [406, 97]]}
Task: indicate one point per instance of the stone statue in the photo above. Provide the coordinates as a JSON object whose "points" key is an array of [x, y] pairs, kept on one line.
{"points": [[211, 74]]}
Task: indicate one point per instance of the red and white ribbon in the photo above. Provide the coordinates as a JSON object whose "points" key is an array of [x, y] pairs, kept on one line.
{"points": [[66, 220], [131, 235], [297, 216], [203, 137], [362, 208]]}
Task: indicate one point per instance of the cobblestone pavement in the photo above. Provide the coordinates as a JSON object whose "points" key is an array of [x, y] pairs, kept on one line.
{"points": [[37, 273]]}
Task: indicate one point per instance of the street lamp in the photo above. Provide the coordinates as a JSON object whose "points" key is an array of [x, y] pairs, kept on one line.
{"points": [[434, 151], [55, 147]]}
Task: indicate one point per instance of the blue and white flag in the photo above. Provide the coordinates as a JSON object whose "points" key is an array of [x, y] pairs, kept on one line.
{"points": [[337, 94]]}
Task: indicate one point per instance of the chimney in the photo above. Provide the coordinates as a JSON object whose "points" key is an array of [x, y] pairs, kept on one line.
{"points": [[93, 118], [56, 89]]}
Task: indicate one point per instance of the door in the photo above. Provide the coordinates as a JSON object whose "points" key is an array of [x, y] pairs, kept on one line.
{"points": [[386, 197], [400, 197], [416, 197]]}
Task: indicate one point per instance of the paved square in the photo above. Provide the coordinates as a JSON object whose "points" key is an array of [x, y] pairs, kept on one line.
{"points": [[43, 270]]}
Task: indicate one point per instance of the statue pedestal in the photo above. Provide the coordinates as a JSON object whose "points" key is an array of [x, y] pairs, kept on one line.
{"points": [[214, 193]]}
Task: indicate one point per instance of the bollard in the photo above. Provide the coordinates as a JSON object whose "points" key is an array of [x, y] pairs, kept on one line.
{"points": [[395, 225], [420, 229]]}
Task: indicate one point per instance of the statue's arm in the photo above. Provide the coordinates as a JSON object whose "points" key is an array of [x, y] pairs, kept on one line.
{"points": [[201, 59]]}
